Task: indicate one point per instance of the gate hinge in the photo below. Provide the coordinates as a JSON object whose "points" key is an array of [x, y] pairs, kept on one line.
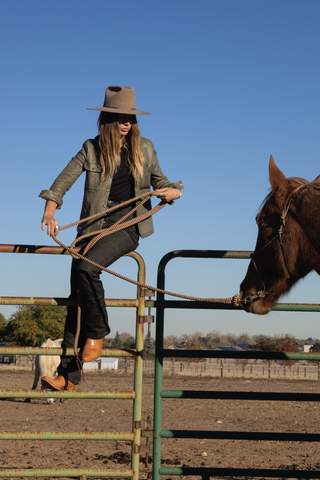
{"points": [[147, 292], [142, 424], [146, 318], [141, 448]]}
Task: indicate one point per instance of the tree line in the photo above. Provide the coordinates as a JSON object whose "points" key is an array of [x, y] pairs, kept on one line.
{"points": [[31, 325]]}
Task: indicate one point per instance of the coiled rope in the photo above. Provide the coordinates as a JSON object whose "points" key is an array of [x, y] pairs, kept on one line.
{"points": [[119, 225]]}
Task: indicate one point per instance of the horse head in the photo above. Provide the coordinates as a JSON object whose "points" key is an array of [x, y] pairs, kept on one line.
{"points": [[287, 246]]}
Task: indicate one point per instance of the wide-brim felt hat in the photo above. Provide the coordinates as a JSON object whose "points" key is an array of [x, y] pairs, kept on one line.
{"points": [[120, 100]]}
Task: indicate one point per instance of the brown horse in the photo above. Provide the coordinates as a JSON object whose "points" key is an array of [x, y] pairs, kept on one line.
{"points": [[288, 243]]}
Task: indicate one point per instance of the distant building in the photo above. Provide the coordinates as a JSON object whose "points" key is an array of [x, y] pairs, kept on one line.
{"points": [[102, 363], [307, 345], [243, 346], [239, 347], [307, 348], [225, 349], [177, 347], [7, 358]]}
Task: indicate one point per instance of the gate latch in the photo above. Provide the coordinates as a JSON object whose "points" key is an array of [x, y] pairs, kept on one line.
{"points": [[147, 292], [143, 424], [141, 448], [146, 318]]}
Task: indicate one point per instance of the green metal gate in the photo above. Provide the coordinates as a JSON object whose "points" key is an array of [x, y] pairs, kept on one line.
{"points": [[136, 395], [158, 434], [138, 428]]}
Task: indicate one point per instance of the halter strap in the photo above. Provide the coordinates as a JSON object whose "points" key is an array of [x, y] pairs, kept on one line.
{"points": [[285, 209]]}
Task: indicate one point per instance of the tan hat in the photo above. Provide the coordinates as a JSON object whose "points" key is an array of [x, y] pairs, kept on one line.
{"points": [[120, 100]]}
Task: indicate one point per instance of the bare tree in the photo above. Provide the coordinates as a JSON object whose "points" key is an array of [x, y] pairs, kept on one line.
{"points": [[124, 336]]}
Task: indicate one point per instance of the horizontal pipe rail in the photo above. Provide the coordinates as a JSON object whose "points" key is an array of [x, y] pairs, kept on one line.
{"points": [[239, 354], [220, 435], [121, 436], [130, 302], [238, 472], [223, 395], [174, 304], [55, 250], [65, 472], [106, 352], [200, 305], [42, 249], [113, 352], [134, 303], [118, 395], [232, 254]]}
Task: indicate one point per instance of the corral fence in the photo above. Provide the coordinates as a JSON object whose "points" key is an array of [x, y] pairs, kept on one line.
{"points": [[208, 367], [232, 368], [142, 428], [158, 434], [135, 355], [241, 368]]}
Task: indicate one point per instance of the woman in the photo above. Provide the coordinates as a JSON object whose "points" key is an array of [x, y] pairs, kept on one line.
{"points": [[119, 165]]}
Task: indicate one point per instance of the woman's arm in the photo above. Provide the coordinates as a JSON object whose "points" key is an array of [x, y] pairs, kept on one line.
{"points": [[62, 184], [163, 188], [47, 219], [69, 175], [167, 194]]}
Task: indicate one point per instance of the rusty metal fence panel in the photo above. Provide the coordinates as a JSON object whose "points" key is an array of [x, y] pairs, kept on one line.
{"points": [[135, 395]]}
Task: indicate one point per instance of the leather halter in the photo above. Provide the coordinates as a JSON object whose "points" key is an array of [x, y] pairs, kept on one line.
{"points": [[285, 209]]}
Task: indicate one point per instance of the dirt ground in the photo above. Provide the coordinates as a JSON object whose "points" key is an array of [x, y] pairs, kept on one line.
{"points": [[94, 415]]}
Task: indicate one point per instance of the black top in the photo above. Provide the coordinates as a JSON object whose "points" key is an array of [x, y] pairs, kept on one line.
{"points": [[122, 182]]}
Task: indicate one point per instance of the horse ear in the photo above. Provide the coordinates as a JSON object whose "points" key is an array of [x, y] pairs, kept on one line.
{"points": [[278, 180], [316, 180]]}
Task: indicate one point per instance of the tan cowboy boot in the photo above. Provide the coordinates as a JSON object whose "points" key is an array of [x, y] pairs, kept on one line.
{"points": [[92, 350], [59, 383]]}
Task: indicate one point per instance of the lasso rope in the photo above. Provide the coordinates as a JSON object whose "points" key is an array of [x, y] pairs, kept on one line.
{"points": [[119, 225]]}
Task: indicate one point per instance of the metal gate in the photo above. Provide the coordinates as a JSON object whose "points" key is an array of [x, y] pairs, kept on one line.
{"points": [[133, 436], [139, 426], [158, 434]]}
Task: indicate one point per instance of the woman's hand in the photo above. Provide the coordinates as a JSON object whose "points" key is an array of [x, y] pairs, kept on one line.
{"points": [[48, 219], [167, 194]]}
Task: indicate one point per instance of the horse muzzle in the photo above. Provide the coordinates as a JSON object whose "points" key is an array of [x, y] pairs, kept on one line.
{"points": [[252, 298], [254, 303]]}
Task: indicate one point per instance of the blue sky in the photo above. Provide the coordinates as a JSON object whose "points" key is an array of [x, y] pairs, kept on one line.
{"points": [[228, 82]]}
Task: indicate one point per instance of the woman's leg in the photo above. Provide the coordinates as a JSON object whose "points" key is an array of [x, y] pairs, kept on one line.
{"points": [[85, 278], [94, 317], [68, 367]]}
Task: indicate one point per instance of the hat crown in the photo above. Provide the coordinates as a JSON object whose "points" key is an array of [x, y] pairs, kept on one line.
{"points": [[120, 98]]}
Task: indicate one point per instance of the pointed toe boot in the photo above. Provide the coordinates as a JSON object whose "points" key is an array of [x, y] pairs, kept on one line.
{"points": [[92, 350], [59, 383]]}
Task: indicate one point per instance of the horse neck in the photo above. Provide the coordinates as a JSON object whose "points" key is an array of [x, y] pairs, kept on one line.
{"points": [[306, 210]]}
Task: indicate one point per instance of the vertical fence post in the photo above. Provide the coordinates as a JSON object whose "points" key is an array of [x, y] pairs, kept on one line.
{"points": [[158, 375]]}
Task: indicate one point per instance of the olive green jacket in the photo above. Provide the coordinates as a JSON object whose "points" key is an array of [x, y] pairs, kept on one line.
{"points": [[96, 193]]}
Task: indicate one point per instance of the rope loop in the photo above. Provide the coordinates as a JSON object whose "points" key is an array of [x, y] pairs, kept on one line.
{"points": [[119, 225]]}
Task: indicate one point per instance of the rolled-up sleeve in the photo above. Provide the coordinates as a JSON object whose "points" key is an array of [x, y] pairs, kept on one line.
{"points": [[66, 179]]}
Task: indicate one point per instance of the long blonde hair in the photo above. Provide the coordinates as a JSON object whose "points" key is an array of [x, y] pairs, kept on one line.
{"points": [[109, 143]]}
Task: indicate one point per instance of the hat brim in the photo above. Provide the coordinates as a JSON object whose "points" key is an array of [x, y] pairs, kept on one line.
{"points": [[119, 110]]}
